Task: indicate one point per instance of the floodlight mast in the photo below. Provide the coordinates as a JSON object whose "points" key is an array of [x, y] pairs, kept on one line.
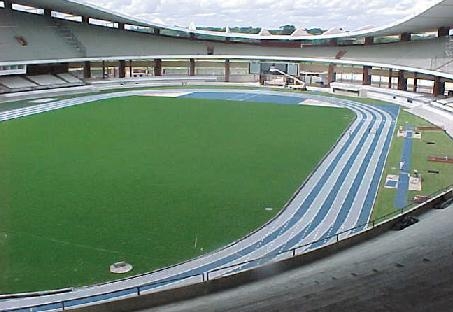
{"points": [[274, 69]]}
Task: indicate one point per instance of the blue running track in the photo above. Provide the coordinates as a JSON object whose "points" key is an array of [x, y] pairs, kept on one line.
{"points": [[338, 196]]}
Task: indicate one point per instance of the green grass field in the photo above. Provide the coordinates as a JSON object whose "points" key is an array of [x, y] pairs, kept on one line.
{"points": [[420, 152], [139, 179], [384, 205]]}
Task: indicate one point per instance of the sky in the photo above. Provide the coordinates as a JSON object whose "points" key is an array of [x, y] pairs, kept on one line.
{"points": [[348, 14]]}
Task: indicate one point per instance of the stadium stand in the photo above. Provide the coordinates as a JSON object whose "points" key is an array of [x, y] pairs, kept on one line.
{"points": [[42, 40], [47, 80], [103, 41], [4, 89], [17, 83], [72, 39], [70, 79]]}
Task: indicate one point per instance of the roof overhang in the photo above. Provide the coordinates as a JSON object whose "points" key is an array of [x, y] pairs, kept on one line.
{"points": [[440, 14]]}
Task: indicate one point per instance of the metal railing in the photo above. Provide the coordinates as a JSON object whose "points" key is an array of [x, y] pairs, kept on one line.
{"points": [[254, 263]]}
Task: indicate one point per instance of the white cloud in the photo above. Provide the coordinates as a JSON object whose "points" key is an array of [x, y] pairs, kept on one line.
{"points": [[350, 14]]}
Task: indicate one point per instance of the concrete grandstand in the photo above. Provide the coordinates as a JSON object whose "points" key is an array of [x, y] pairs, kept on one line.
{"points": [[43, 49]]}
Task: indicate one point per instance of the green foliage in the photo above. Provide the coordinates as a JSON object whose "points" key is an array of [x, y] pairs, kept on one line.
{"points": [[284, 30], [242, 30], [315, 31], [420, 152]]}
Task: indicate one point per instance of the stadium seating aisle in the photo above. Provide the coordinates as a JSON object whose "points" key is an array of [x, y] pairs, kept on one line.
{"points": [[17, 83], [43, 42], [46, 80], [119, 42], [70, 78]]}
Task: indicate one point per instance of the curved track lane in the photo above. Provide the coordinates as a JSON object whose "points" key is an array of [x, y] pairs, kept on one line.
{"points": [[337, 196]]}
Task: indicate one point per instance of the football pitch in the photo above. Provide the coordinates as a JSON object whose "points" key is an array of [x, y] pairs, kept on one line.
{"points": [[151, 181]]}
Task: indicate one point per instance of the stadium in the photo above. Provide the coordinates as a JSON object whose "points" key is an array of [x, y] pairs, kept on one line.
{"points": [[162, 168]]}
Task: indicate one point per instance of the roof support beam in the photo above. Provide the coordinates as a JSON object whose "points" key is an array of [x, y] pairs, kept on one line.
{"points": [[369, 40], [443, 31], [87, 70], [366, 75], [402, 80], [227, 70], [405, 36], [439, 87], [192, 67], [8, 4], [331, 75], [157, 67], [122, 69], [85, 20], [104, 74], [415, 83], [390, 78]]}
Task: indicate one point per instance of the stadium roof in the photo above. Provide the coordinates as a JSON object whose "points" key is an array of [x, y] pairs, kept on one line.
{"points": [[79, 8], [438, 15]]}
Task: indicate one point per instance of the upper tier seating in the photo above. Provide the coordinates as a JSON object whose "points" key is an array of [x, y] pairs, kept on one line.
{"points": [[38, 32], [45, 42]]}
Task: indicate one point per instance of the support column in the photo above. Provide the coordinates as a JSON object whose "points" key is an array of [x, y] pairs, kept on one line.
{"points": [[402, 81], [331, 75], [192, 67], [47, 12], [405, 36], [156, 31], [414, 89], [439, 87], [87, 70], [443, 31], [85, 20], [122, 69], [103, 70], [366, 75], [130, 68], [369, 40], [390, 78], [333, 42], [158, 67], [8, 5], [121, 26], [227, 70]]}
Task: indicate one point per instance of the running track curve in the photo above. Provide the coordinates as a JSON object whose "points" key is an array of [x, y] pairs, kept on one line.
{"points": [[339, 195]]}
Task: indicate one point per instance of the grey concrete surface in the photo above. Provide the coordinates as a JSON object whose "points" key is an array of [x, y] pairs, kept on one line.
{"points": [[409, 270]]}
